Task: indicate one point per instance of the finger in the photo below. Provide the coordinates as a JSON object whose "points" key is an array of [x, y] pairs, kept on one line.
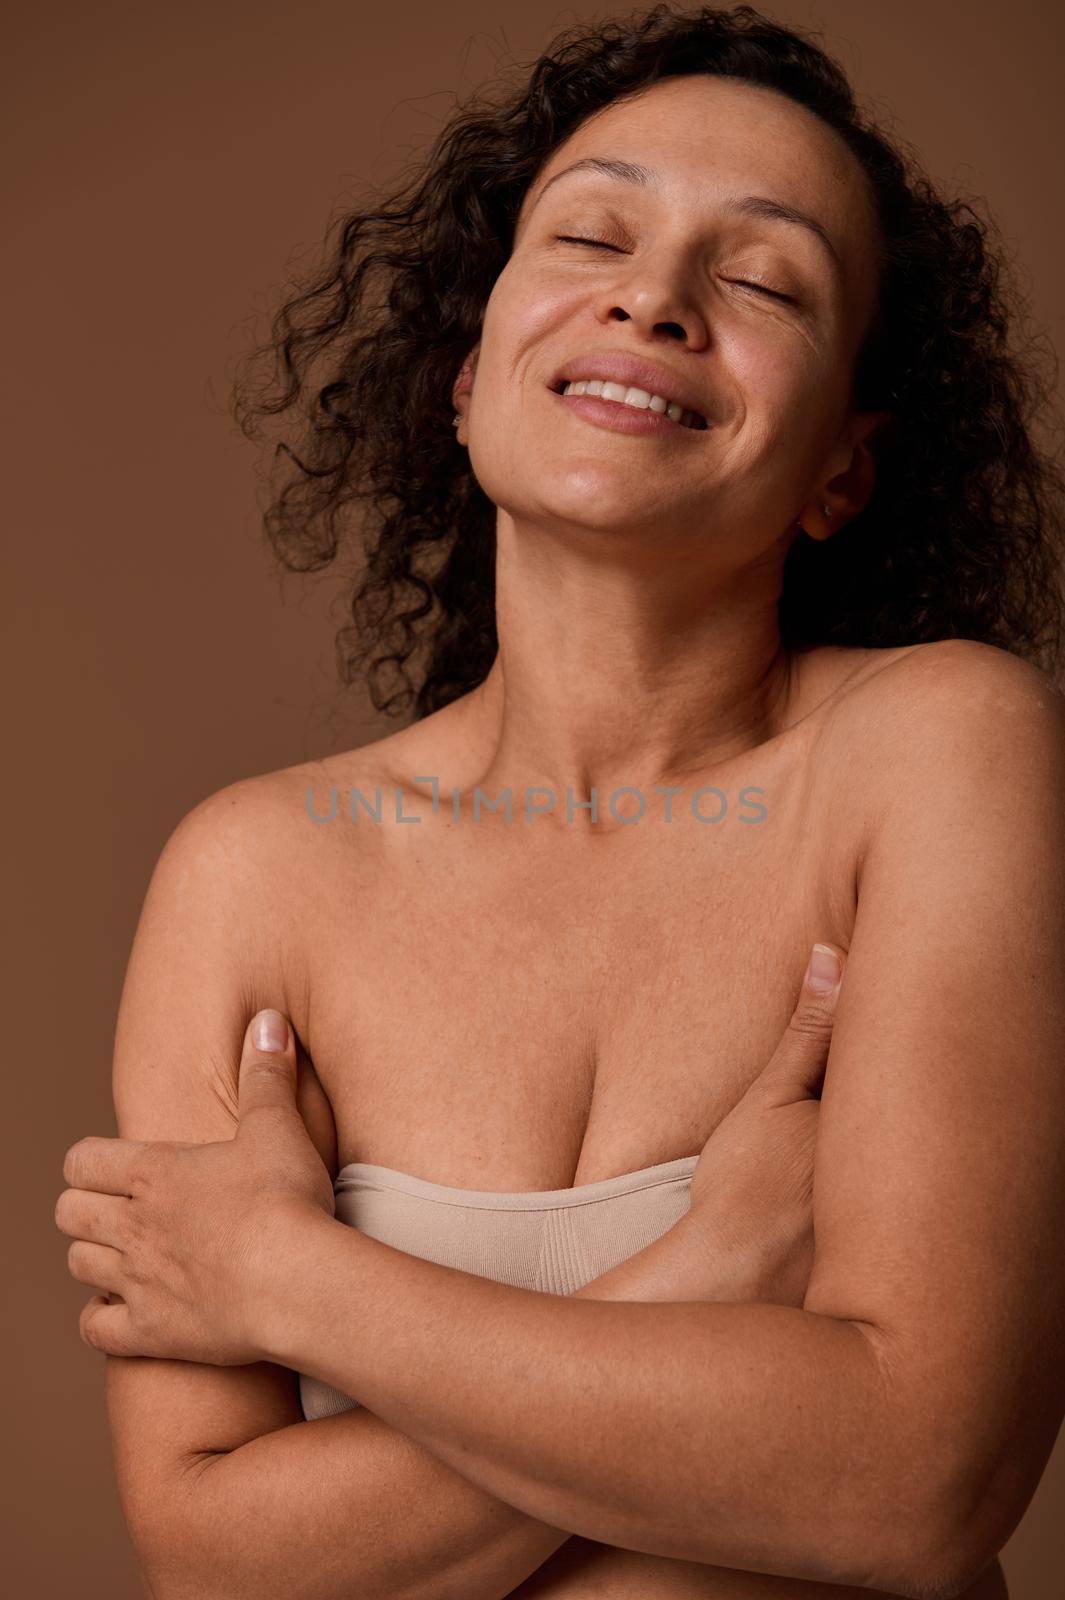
{"points": [[84, 1214], [106, 1165], [106, 1327], [268, 1075], [797, 1065], [96, 1264]]}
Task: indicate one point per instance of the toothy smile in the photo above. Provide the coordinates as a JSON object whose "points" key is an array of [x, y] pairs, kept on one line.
{"points": [[639, 399]]}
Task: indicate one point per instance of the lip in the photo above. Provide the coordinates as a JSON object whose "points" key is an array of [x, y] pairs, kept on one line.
{"points": [[619, 418], [618, 366]]}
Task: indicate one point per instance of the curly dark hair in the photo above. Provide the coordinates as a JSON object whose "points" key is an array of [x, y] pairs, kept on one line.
{"points": [[961, 538]]}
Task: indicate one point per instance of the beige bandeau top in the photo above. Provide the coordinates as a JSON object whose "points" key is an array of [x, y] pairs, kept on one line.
{"points": [[554, 1240]]}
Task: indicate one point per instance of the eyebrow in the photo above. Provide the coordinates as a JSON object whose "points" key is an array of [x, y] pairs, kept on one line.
{"points": [[748, 205]]}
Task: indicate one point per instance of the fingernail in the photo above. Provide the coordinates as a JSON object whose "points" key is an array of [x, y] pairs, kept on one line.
{"points": [[823, 973], [269, 1031]]}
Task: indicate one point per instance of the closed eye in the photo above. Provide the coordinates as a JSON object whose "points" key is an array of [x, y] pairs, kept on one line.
{"points": [[760, 288], [743, 283], [596, 244]]}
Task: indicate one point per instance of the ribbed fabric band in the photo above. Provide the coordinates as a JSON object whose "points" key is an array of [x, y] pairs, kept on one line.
{"points": [[553, 1240]]}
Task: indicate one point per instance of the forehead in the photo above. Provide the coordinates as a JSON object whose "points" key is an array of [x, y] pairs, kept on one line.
{"points": [[707, 139]]}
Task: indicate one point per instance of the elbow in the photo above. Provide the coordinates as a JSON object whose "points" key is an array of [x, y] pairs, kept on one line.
{"points": [[945, 1572], [940, 1549], [170, 1540], [936, 1510]]}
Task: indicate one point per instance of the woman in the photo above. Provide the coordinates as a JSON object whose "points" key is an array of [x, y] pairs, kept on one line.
{"points": [[759, 642]]}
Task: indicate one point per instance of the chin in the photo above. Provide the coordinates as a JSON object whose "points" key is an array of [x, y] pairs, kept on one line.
{"points": [[591, 516], [589, 497]]}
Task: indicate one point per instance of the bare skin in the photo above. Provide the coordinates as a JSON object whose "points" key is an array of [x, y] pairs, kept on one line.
{"points": [[330, 880], [622, 986], [513, 1006], [652, 974]]}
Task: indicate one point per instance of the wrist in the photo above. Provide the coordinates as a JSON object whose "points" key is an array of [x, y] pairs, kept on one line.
{"points": [[300, 1247], [685, 1263]]}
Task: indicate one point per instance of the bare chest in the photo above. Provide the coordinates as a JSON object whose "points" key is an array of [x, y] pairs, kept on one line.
{"points": [[499, 1008]]}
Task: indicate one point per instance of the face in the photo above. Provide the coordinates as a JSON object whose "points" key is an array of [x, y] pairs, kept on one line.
{"points": [[655, 271]]}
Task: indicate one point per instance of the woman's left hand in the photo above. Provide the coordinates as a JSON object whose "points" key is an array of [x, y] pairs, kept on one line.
{"points": [[193, 1237]]}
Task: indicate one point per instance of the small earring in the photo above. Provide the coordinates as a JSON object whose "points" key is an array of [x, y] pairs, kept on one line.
{"points": [[827, 510], [456, 419]]}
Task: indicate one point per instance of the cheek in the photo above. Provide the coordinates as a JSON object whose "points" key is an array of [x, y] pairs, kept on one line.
{"points": [[771, 366], [785, 393], [523, 331], [533, 310]]}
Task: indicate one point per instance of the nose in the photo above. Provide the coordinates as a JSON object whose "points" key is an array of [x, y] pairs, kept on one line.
{"points": [[657, 301]]}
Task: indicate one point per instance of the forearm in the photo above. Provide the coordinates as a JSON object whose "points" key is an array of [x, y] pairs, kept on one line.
{"points": [[343, 1508], [752, 1436], [310, 1511]]}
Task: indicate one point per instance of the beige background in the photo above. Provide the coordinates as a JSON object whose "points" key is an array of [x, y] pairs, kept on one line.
{"points": [[166, 164]]}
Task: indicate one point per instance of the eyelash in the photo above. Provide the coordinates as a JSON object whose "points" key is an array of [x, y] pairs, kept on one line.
{"points": [[603, 244]]}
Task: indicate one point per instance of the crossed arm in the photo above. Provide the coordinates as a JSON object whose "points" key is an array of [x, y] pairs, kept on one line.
{"points": [[348, 1505], [877, 1436]]}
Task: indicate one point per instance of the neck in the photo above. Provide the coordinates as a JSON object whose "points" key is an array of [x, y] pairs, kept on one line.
{"points": [[630, 668]]}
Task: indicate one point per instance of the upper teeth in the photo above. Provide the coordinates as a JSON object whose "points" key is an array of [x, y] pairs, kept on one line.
{"points": [[640, 398]]}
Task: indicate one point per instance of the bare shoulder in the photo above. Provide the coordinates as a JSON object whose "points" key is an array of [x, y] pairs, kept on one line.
{"points": [[957, 675], [955, 703], [958, 746], [230, 832], [211, 865], [256, 834], [232, 883], [209, 926], [254, 865], [260, 837]]}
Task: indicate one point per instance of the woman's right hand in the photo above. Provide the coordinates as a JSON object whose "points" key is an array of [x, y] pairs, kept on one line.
{"points": [[752, 1188]]}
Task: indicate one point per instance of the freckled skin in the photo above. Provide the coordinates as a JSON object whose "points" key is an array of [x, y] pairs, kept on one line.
{"points": [[525, 1008], [778, 374], [636, 586]]}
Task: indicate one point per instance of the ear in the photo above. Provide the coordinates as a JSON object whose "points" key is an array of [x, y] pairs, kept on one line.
{"points": [[462, 389], [849, 478]]}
